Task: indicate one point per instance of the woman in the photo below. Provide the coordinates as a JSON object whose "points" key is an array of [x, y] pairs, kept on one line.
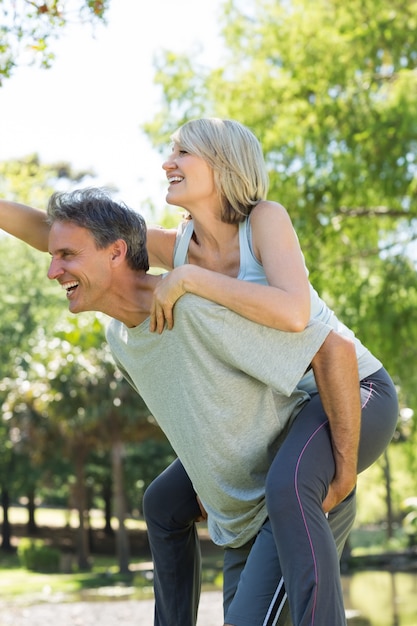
{"points": [[241, 251], [217, 173]]}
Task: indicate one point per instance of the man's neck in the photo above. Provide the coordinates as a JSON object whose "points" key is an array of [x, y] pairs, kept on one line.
{"points": [[132, 302]]}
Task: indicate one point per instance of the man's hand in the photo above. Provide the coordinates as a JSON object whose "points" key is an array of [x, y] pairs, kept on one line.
{"points": [[335, 369], [338, 491]]}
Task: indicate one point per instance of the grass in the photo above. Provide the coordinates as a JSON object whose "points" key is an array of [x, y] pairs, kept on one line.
{"points": [[103, 580], [374, 540], [59, 518], [103, 575], [18, 584]]}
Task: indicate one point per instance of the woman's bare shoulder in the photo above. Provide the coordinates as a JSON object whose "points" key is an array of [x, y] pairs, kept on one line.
{"points": [[160, 244], [267, 210]]}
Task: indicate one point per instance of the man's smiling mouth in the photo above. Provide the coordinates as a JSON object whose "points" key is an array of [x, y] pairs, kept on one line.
{"points": [[70, 286]]}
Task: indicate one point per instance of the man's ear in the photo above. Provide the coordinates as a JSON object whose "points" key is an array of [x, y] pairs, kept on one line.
{"points": [[118, 251]]}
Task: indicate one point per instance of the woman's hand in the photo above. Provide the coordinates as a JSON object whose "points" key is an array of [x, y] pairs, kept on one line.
{"points": [[168, 291]]}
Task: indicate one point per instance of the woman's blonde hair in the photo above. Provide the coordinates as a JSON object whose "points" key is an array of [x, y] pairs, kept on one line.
{"points": [[235, 155]]}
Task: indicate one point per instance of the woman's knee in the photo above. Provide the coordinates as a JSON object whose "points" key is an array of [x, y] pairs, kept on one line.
{"points": [[279, 490], [379, 417], [305, 477]]}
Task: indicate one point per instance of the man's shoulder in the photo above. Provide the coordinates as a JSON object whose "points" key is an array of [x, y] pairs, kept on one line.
{"points": [[112, 326], [191, 304], [114, 330], [196, 314]]}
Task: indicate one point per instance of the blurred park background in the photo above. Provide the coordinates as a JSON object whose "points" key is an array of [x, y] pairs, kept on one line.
{"points": [[330, 89]]}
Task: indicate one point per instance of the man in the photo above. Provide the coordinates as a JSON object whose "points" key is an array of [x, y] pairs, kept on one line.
{"points": [[223, 389]]}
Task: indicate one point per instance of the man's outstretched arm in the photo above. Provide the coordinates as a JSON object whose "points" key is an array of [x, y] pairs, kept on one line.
{"points": [[335, 369], [25, 223]]}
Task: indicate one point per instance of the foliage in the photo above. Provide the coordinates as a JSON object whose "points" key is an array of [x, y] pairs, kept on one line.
{"points": [[69, 384], [330, 89], [409, 522], [144, 461], [410, 528], [25, 434], [23, 293], [27, 27], [66, 411], [36, 555], [31, 182], [64, 403]]}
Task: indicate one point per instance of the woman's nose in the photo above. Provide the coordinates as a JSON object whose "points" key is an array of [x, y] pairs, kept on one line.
{"points": [[169, 164]]}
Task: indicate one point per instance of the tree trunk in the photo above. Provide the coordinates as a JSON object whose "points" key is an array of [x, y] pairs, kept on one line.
{"points": [[387, 477], [31, 525], [81, 506], [7, 529], [107, 497], [122, 539]]}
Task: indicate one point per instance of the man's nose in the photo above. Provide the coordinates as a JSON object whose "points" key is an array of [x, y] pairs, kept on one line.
{"points": [[54, 270]]}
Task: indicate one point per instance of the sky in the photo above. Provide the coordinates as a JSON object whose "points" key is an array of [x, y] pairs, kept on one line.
{"points": [[87, 109]]}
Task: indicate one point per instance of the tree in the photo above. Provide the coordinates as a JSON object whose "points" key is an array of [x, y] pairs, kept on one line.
{"points": [[27, 27], [115, 411], [29, 181], [69, 387], [330, 88], [23, 293], [61, 395]]}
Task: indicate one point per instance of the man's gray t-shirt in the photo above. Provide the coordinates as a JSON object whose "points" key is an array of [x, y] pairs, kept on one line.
{"points": [[223, 389]]}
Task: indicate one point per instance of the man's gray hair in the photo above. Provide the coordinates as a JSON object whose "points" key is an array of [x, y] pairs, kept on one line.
{"points": [[107, 220]]}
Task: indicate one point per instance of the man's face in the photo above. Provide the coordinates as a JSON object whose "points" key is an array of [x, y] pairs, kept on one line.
{"points": [[81, 269]]}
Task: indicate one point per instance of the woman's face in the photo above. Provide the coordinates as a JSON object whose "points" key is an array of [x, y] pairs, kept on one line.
{"points": [[190, 178]]}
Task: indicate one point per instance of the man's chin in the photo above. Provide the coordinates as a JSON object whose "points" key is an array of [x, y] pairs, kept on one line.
{"points": [[75, 307]]}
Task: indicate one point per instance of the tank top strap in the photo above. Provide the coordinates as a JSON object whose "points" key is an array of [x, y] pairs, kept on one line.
{"points": [[244, 246], [182, 241], [250, 268]]}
